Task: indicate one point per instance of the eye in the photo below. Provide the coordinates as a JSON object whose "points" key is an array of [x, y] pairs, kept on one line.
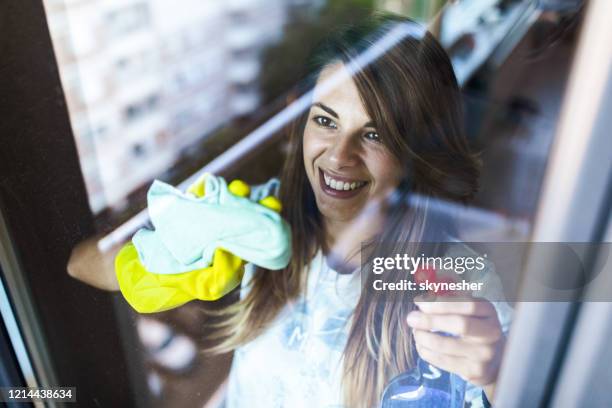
{"points": [[373, 136], [325, 122]]}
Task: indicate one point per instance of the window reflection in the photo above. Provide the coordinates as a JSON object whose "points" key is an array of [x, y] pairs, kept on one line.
{"points": [[146, 79], [157, 92]]}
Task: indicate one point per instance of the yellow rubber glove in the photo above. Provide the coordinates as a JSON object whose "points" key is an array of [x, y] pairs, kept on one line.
{"points": [[149, 292]]}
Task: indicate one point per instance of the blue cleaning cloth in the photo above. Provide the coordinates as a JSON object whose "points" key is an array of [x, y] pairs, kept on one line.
{"points": [[188, 229]]}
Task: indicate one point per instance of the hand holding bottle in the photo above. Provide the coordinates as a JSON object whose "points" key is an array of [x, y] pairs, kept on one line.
{"points": [[475, 347]]}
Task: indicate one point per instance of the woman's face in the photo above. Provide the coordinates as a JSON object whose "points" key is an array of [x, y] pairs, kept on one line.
{"points": [[346, 161]]}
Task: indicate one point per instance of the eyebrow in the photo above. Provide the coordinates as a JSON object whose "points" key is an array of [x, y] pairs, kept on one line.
{"points": [[327, 109], [335, 115]]}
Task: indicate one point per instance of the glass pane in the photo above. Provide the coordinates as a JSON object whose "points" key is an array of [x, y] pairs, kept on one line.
{"points": [[432, 130]]}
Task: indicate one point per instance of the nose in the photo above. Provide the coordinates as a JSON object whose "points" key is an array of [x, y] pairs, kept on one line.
{"points": [[344, 151]]}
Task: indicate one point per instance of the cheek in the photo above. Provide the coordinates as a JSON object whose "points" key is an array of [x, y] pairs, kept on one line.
{"points": [[309, 154], [386, 170], [307, 150], [313, 146]]}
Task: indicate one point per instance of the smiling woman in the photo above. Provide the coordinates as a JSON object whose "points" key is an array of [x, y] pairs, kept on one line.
{"points": [[389, 126], [533, 74], [346, 162]]}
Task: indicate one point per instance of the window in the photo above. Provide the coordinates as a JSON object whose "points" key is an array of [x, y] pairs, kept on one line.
{"points": [[160, 92], [129, 19]]}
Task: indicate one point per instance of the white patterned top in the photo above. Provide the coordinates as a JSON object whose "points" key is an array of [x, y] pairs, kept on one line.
{"points": [[297, 361]]}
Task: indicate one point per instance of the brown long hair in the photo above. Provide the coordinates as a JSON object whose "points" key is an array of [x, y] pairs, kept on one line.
{"points": [[412, 95]]}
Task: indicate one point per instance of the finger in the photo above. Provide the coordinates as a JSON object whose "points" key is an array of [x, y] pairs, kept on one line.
{"points": [[472, 371], [452, 364], [455, 346], [472, 307], [480, 330]]}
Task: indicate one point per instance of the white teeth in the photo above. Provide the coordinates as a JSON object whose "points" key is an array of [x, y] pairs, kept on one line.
{"points": [[341, 185]]}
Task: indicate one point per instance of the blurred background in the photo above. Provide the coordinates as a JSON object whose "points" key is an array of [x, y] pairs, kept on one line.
{"points": [[137, 90], [157, 91]]}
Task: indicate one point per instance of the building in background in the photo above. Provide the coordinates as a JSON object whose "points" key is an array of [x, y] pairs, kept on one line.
{"points": [[145, 79]]}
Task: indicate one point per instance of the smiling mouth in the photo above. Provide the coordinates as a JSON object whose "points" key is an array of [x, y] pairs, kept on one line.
{"points": [[340, 187]]}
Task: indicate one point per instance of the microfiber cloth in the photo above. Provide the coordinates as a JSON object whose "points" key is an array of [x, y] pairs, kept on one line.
{"points": [[188, 229]]}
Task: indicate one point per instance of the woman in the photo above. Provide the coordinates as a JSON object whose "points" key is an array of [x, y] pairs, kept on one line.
{"points": [[308, 336]]}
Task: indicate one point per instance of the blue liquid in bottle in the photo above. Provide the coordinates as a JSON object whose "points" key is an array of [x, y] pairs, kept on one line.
{"points": [[426, 386]]}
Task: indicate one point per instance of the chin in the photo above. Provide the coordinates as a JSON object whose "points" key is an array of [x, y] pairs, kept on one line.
{"points": [[337, 211]]}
